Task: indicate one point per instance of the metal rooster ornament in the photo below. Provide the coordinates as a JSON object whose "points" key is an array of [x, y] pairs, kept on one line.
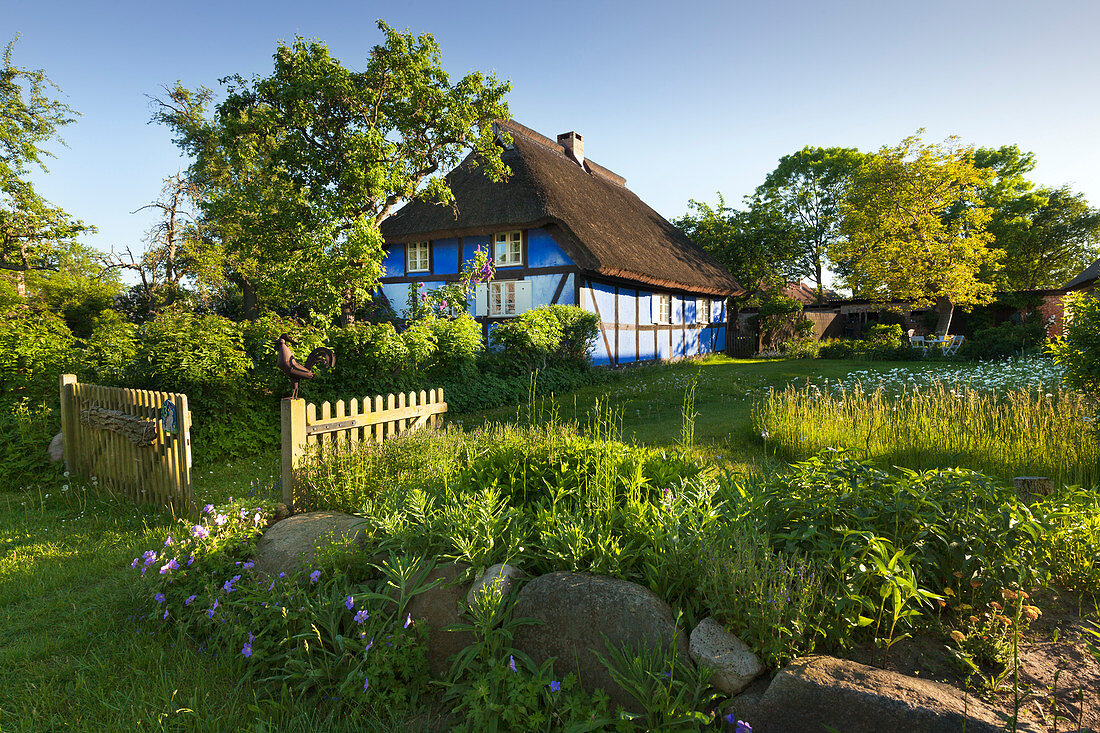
{"points": [[295, 371]]}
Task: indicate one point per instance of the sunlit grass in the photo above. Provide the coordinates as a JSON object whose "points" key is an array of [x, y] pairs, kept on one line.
{"points": [[1018, 432]]}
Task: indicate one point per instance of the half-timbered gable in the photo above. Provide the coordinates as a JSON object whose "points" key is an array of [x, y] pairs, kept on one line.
{"points": [[563, 229]]}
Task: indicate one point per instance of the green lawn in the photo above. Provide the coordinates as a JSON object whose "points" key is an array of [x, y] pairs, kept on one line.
{"points": [[73, 657], [651, 401]]}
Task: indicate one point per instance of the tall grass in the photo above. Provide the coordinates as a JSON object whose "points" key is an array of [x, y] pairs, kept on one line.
{"points": [[1021, 432]]}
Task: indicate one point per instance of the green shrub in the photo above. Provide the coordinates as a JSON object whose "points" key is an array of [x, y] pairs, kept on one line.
{"points": [[579, 330], [202, 356], [370, 359], [458, 343], [110, 351], [885, 335], [36, 348], [530, 338], [419, 338], [26, 429], [1004, 341], [955, 529], [801, 348]]}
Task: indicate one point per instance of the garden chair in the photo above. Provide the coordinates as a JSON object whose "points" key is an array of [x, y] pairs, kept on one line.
{"points": [[951, 347], [918, 342]]}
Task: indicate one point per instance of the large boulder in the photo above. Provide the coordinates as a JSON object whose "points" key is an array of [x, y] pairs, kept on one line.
{"points": [[814, 694], [291, 544], [56, 451], [501, 579], [733, 665], [439, 608], [581, 614]]}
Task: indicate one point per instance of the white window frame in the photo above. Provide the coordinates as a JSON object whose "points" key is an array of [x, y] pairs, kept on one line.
{"points": [[508, 248], [420, 254], [704, 314], [664, 308], [498, 298]]}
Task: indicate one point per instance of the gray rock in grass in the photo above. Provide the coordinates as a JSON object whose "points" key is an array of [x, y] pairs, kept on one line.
{"points": [[56, 451], [732, 663], [582, 614], [439, 608], [499, 578], [821, 693], [290, 545]]}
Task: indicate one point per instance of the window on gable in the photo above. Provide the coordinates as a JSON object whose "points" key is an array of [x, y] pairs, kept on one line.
{"points": [[418, 257], [508, 248], [502, 298], [664, 305], [704, 311]]}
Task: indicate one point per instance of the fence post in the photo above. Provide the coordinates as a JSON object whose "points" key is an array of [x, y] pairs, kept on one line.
{"points": [[68, 416], [294, 441]]}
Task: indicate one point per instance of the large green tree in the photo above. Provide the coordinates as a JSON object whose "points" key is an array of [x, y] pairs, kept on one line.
{"points": [[758, 246], [806, 191], [914, 228], [34, 234], [1048, 235], [297, 170]]}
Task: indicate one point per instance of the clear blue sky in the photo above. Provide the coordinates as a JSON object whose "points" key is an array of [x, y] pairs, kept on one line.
{"points": [[682, 98]]}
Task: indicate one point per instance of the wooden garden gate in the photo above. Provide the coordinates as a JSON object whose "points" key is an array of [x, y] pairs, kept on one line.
{"points": [[133, 441], [352, 424]]}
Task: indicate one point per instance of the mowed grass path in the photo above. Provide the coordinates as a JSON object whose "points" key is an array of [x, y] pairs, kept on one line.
{"points": [[73, 656]]}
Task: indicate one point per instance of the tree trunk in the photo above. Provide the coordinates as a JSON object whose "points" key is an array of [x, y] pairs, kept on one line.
{"points": [[347, 309], [945, 309], [820, 283], [250, 307]]}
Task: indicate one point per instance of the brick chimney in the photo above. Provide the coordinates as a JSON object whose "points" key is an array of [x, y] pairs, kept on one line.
{"points": [[574, 146]]}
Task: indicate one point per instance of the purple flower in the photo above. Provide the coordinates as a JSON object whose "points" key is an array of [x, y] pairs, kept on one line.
{"points": [[408, 620], [248, 566], [189, 600], [247, 648], [190, 559], [361, 616], [743, 727], [169, 566], [159, 598], [150, 557], [256, 519], [168, 542], [511, 663], [314, 576], [200, 532], [272, 586], [244, 514], [228, 587], [165, 615], [555, 686], [349, 603], [208, 508], [134, 564], [366, 684], [213, 608], [220, 519], [368, 646]]}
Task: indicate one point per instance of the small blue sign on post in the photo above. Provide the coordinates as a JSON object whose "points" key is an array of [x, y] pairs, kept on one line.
{"points": [[168, 418]]}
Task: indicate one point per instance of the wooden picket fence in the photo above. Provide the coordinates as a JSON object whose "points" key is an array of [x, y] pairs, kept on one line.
{"points": [[117, 437], [373, 421]]}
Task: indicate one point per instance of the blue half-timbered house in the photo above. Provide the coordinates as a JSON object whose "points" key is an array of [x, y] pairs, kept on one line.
{"points": [[563, 229]]}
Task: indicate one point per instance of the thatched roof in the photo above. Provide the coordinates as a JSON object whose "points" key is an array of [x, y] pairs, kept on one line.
{"points": [[605, 228], [1087, 277]]}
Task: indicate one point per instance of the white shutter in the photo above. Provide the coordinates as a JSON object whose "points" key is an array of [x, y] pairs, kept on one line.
{"points": [[481, 299], [655, 308], [699, 311], [523, 296]]}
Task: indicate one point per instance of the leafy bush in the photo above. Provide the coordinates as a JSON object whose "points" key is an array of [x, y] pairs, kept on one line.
{"points": [[1078, 349], [800, 348], [202, 356], [921, 532], [579, 330], [110, 351], [1006, 340], [780, 319], [419, 338], [458, 343], [26, 428], [885, 335], [529, 338], [370, 359], [881, 348], [36, 348]]}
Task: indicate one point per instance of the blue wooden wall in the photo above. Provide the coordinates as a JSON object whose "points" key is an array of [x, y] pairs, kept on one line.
{"points": [[633, 337]]}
